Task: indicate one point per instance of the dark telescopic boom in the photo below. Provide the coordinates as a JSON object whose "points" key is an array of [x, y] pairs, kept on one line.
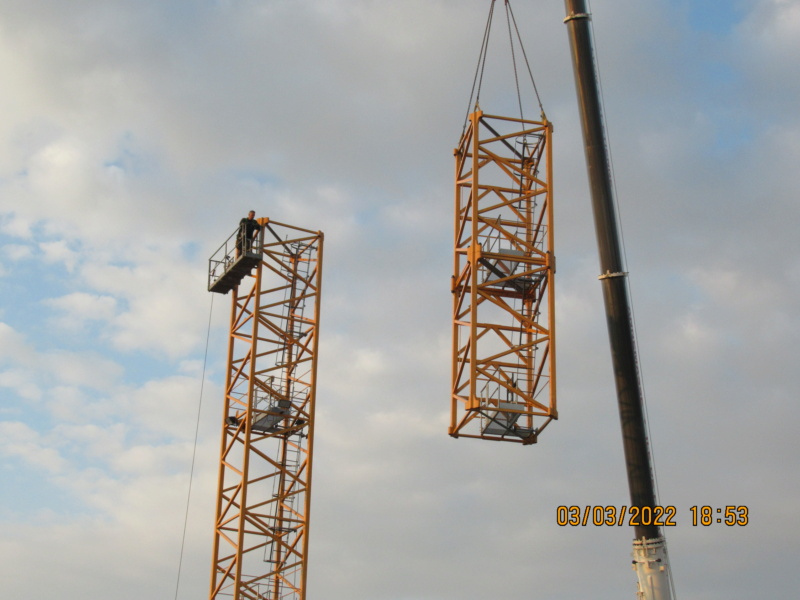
{"points": [[615, 291]]}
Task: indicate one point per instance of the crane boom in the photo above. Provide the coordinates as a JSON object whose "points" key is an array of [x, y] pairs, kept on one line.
{"points": [[650, 560]]}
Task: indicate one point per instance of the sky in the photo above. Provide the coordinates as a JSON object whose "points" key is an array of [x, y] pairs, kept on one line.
{"points": [[134, 134]]}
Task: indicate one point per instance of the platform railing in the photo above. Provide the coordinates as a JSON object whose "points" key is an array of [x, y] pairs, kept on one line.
{"points": [[230, 251]]}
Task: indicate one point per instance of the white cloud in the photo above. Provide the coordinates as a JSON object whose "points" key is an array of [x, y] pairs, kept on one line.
{"points": [[16, 226], [191, 367], [59, 252], [22, 382], [776, 25], [79, 307], [38, 369], [13, 344], [71, 404], [693, 338], [17, 252], [168, 405], [26, 444], [87, 369], [145, 303]]}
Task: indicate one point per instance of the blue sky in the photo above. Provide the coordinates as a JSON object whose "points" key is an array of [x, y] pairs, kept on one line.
{"points": [[713, 16], [135, 135]]}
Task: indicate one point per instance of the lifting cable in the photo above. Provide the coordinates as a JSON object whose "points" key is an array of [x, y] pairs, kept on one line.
{"points": [[194, 450], [479, 69], [477, 80], [510, 12]]}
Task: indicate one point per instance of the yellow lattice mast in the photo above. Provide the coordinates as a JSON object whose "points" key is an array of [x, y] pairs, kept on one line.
{"points": [[503, 370], [261, 525], [503, 378]]}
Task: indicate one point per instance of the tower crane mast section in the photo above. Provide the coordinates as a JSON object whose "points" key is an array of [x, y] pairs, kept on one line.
{"points": [[503, 369], [263, 500]]}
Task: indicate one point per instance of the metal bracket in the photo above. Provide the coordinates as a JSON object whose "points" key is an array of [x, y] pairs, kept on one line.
{"points": [[577, 16], [609, 275]]}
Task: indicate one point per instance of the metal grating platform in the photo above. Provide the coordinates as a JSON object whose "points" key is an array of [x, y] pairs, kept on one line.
{"points": [[233, 273], [233, 261]]}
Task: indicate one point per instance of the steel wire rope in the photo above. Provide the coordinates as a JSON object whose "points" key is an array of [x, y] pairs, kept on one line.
{"points": [[194, 449], [628, 287], [514, 61], [525, 56], [480, 67]]}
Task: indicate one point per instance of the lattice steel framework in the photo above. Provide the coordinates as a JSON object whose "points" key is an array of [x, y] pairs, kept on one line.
{"points": [[503, 378], [261, 528]]}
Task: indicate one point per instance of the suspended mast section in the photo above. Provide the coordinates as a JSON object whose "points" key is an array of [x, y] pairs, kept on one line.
{"points": [[263, 500], [503, 371]]}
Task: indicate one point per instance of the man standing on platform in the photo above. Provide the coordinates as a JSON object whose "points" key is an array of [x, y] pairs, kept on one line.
{"points": [[248, 229]]}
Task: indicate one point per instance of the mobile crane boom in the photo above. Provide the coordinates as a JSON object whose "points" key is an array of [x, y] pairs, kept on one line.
{"points": [[649, 548]]}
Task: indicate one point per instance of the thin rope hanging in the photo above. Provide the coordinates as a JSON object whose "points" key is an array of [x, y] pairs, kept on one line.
{"points": [[525, 56], [194, 449], [514, 60], [477, 81], [480, 67]]}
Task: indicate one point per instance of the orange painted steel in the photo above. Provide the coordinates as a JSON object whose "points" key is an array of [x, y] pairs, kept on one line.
{"points": [[503, 377], [263, 502]]}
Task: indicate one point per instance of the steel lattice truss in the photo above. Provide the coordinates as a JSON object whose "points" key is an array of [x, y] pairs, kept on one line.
{"points": [[503, 379], [261, 528]]}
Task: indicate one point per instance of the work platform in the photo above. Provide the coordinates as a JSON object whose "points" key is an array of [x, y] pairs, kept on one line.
{"points": [[233, 261]]}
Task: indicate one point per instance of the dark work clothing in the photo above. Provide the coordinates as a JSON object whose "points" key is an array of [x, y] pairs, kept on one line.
{"points": [[248, 229], [251, 226]]}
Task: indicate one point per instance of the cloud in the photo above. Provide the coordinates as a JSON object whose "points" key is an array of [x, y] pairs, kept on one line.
{"points": [[152, 293], [24, 443], [22, 381], [769, 35], [79, 307], [17, 252], [137, 134], [59, 252], [86, 369], [32, 370], [13, 344]]}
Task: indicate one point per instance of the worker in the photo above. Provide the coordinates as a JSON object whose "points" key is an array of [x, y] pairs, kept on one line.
{"points": [[248, 229]]}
